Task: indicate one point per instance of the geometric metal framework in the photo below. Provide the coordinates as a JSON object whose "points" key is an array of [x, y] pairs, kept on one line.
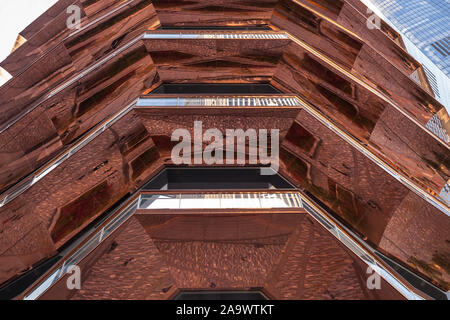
{"points": [[85, 132], [150, 204]]}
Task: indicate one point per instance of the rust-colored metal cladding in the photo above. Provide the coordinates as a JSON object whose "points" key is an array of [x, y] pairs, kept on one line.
{"points": [[90, 118], [356, 56], [83, 186], [161, 122], [353, 15], [85, 47], [371, 200], [216, 56]]}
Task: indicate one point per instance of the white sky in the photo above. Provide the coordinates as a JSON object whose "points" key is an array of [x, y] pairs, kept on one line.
{"points": [[15, 15]]}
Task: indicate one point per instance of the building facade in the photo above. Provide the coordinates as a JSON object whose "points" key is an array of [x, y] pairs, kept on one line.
{"points": [[89, 179], [425, 27]]}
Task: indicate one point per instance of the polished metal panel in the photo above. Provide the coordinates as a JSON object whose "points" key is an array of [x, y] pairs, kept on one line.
{"points": [[358, 138], [146, 203]]}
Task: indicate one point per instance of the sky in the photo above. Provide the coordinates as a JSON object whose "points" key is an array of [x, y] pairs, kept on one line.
{"points": [[15, 15]]}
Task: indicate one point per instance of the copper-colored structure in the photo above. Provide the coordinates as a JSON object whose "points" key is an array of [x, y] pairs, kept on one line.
{"points": [[85, 136]]}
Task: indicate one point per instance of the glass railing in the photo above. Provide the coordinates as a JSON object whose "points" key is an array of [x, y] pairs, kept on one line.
{"points": [[227, 200], [445, 194], [219, 101], [244, 200], [435, 125], [242, 101]]}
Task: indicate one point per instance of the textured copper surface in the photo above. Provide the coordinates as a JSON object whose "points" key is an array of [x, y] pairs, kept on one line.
{"points": [[366, 116], [69, 55], [214, 12], [58, 121], [110, 160], [41, 35], [216, 60], [355, 56], [287, 255], [346, 14], [38, 123], [65, 116]]}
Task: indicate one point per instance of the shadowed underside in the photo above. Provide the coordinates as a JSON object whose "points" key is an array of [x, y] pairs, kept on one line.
{"points": [[76, 139]]}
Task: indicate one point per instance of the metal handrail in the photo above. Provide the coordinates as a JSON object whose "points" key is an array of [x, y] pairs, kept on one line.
{"points": [[121, 215]]}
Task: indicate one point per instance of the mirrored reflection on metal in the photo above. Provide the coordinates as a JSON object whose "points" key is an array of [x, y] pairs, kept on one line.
{"points": [[241, 200], [93, 22], [247, 101], [37, 175], [66, 84], [71, 81], [435, 126], [424, 286], [376, 92], [217, 35], [360, 252], [445, 193]]}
